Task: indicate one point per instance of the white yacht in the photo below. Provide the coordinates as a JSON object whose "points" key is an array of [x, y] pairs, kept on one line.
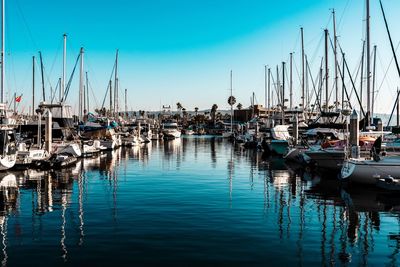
{"points": [[27, 157], [170, 130], [8, 149]]}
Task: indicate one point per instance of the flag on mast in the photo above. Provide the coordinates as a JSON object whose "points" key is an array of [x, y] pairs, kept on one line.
{"points": [[18, 98]]}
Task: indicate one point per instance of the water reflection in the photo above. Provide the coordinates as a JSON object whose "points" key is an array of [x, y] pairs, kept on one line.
{"points": [[8, 206], [125, 198]]}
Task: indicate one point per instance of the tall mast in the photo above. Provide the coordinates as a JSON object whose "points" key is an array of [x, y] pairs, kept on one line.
{"points": [[278, 85], [335, 54], [33, 86], [87, 93], [398, 109], [64, 69], [283, 92], [252, 101], [291, 82], [343, 84], [373, 85], [2, 56], [321, 82], [302, 66], [111, 99], [361, 76], [81, 86], [42, 75], [307, 95], [283, 86], [126, 103], [231, 105], [265, 87], [84, 99], [116, 85], [326, 72], [368, 66], [269, 89]]}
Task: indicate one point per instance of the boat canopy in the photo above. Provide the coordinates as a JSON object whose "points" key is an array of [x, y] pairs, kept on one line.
{"points": [[280, 132]]}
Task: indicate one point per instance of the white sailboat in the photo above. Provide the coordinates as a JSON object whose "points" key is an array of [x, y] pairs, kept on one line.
{"points": [[368, 172], [7, 134], [377, 169]]}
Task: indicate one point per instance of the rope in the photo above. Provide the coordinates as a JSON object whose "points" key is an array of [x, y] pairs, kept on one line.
{"points": [[70, 80], [108, 85]]}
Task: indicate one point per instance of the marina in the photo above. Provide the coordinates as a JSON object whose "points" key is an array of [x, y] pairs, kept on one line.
{"points": [[150, 148]]}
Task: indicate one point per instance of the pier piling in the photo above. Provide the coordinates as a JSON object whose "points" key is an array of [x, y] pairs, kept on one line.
{"points": [[354, 136]]}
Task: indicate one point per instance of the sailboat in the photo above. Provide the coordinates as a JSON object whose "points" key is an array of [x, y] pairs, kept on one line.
{"points": [[376, 170], [7, 133], [370, 171]]}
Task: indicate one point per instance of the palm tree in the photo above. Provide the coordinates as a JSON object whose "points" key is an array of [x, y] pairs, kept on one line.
{"points": [[184, 115], [179, 106], [239, 106], [212, 112]]}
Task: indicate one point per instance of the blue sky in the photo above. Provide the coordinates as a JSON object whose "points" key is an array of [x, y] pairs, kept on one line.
{"points": [[183, 51]]}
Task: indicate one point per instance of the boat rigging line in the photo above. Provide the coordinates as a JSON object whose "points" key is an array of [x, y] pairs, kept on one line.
{"points": [[64, 97], [108, 85]]}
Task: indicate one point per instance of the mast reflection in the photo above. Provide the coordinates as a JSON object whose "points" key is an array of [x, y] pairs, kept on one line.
{"points": [[8, 205]]}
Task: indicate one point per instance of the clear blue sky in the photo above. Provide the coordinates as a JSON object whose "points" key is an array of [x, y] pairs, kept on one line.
{"points": [[183, 50]]}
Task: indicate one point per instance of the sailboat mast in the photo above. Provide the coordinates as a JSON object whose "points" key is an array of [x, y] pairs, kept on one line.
{"points": [[81, 86], [252, 101], [307, 95], [368, 66], [321, 82], [2, 82], [361, 76], [84, 100], [42, 76], [343, 83], [265, 87], [278, 85], [33, 86], [283, 93], [326, 72], [291, 82], [126, 103], [283, 86], [111, 99], [64, 69], [269, 89], [116, 85], [231, 104], [398, 109], [373, 85], [87, 93], [336, 63], [302, 66]]}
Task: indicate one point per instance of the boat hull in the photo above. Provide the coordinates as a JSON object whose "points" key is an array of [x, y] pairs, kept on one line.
{"points": [[326, 160], [171, 134], [368, 171], [279, 147]]}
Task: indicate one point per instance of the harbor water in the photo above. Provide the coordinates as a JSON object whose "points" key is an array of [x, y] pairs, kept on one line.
{"points": [[193, 201]]}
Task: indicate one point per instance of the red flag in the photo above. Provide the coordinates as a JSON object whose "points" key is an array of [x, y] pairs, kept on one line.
{"points": [[18, 98]]}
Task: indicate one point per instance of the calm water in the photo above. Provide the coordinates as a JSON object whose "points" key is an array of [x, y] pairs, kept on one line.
{"points": [[195, 201]]}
